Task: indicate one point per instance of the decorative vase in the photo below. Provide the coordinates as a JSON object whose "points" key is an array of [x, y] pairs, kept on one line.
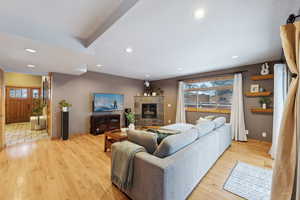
{"points": [[264, 106], [65, 109], [261, 89], [131, 126]]}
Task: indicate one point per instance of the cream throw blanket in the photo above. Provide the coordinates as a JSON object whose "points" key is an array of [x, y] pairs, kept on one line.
{"points": [[122, 163]]}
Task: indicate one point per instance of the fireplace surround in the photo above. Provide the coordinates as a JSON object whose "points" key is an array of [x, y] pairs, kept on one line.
{"points": [[149, 111]]}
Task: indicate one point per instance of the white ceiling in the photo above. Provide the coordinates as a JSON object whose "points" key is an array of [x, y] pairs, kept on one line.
{"points": [[164, 35]]}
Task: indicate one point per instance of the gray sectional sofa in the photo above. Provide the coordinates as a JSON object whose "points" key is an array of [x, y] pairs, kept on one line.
{"points": [[161, 177]]}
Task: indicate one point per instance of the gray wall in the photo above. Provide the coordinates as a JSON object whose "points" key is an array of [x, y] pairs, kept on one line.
{"points": [[255, 123], [78, 91]]}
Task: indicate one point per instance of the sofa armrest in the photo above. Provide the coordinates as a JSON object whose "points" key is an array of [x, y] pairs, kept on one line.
{"points": [[153, 177], [148, 178]]}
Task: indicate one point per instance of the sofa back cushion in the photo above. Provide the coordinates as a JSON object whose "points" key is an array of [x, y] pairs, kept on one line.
{"points": [[204, 127], [143, 138], [220, 121], [174, 143]]}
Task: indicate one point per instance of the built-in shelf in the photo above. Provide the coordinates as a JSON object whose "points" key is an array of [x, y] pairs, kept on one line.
{"points": [[258, 94], [262, 77], [209, 110], [261, 110]]}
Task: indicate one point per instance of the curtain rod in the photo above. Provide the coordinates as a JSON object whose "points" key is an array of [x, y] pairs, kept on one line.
{"points": [[206, 76], [292, 18]]}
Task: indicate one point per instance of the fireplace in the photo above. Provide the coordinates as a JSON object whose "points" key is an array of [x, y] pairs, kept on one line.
{"points": [[149, 111]]}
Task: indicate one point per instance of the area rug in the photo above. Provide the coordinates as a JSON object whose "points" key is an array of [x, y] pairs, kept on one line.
{"points": [[249, 182]]}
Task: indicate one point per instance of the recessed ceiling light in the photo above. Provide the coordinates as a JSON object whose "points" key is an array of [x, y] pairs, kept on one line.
{"points": [[30, 50], [31, 66], [129, 50], [180, 68], [199, 13], [235, 57], [99, 65]]}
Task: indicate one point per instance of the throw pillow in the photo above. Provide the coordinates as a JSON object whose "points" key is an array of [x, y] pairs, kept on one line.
{"points": [[143, 138], [202, 120], [220, 121], [161, 134], [210, 117]]}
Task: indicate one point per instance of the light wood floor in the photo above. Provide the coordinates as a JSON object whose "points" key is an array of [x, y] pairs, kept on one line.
{"points": [[79, 169]]}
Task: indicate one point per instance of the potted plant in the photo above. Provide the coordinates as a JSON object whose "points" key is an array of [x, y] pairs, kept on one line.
{"points": [[264, 102], [37, 111], [131, 119], [64, 105]]}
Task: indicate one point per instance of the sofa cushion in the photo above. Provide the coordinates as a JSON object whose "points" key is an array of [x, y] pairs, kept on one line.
{"points": [[205, 127], [162, 134], [220, 121], [143, 138], [209, 117], [174, 143]]}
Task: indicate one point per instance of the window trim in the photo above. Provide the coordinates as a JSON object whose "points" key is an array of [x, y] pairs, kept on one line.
{"points": [[226, 87], [219, 78]]}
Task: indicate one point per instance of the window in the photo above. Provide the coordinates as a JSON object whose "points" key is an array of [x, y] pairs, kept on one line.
{"points": [[35, 93], [210, 95], [24, 93], [12, 93], [18, 93]]}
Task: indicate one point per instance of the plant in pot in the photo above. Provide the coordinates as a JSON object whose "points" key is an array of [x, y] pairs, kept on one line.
{"points": [[131, 119], [37, 111], [264, 102], [64, 105]]}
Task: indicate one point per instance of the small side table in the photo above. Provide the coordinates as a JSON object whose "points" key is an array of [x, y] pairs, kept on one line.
{"points": [[112, 137]]}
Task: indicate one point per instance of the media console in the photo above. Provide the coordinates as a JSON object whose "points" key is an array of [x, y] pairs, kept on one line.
{"points": [[103, 123]]}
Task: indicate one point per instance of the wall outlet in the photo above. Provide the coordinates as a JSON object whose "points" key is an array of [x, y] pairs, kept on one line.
{"points": [[169, 121], [169, 105], [264, 134]]}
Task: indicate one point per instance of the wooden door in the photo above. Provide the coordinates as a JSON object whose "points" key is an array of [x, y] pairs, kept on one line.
{"points": [[2, 110], [47, 96], [19, 102]]}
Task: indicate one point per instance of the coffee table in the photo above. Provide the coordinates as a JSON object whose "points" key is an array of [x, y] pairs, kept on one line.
{"points": [[111, 137]]}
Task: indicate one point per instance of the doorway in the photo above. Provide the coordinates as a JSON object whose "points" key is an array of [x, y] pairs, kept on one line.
{"points": [[19, 103], [25, 108]]}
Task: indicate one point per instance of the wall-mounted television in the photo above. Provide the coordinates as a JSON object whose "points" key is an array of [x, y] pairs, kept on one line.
{"points": [[103, 102]]}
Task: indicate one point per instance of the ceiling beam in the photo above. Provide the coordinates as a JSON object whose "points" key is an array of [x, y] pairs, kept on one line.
{"points": [[124, 7]]}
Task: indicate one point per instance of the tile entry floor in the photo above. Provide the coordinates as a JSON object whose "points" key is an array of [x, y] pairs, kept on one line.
{"points": [[16, 133]]}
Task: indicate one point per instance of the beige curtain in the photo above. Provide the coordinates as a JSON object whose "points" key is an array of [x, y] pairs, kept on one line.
{"points": [[237, 121], [284, 182]]}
